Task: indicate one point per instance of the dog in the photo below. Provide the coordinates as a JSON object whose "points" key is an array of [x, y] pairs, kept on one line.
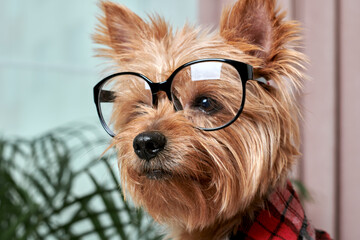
{"points": [[206, 123]]}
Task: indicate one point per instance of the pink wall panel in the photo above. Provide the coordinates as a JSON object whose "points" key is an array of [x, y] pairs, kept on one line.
{"points": [[318, 166], [210, 11], [288, 6], [349, 53]]}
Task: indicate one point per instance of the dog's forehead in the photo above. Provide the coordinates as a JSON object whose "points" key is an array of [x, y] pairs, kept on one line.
{"points": [[159, 59]]}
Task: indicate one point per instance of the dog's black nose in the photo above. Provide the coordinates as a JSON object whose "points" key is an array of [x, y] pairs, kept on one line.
{"points": [[148, 144]]}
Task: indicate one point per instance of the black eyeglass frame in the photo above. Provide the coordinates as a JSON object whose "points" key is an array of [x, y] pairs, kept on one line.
{"points": [[245, 71]]}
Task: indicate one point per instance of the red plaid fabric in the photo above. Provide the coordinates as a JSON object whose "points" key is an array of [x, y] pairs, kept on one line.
{"points": [[283, 219]]}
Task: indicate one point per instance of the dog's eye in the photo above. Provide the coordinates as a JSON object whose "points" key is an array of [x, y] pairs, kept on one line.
{"points": [[206, 104]]}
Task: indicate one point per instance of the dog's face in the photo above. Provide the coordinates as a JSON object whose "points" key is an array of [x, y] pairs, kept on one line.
{"points": [[182, 174]]}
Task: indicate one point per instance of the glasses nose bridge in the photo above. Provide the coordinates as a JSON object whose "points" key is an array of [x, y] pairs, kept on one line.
{"points": [[161, 87]]}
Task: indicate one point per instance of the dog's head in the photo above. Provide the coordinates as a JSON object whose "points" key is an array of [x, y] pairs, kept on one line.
{"points": [[186, 153]]}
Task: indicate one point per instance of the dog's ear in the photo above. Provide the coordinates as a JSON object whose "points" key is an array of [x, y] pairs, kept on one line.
{"points": [[119, 29], [249, 20], [257, 27]]}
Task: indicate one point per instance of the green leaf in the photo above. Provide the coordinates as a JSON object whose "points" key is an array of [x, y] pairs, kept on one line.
{"points": [[109, 203]]}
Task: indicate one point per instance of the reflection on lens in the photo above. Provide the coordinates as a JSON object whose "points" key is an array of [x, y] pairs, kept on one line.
{"points": [[209, 93], [121, 98]]}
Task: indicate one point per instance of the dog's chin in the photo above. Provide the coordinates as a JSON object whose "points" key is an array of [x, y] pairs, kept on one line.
{"points": [[156, 174]]}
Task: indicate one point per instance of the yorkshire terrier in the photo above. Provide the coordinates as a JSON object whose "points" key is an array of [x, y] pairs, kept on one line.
{"points": [[206, 123]]}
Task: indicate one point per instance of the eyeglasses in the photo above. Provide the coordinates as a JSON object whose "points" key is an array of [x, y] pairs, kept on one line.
{"points": [[210, 93]]}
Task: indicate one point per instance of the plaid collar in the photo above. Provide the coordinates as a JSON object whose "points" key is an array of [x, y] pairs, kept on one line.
{"points": [[282, 219]]}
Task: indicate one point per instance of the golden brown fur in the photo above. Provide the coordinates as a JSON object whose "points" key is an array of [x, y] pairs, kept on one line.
{"points": [[217, 178]]}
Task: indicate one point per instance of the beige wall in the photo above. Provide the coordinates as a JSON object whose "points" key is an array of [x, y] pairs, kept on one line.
{"points": [[331, 130]]}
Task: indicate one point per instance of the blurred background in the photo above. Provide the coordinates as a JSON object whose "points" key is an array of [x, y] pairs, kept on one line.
{"points": [[47, 72]]}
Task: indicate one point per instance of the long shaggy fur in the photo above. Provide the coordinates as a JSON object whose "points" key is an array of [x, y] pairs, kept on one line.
{"points": [[216, 179]]}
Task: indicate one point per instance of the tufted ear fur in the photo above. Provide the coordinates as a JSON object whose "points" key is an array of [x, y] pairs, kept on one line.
{"points": [[269, 37], [122, 31]]}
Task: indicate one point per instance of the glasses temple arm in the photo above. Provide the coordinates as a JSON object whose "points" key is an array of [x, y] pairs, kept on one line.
{"points": [[251, 76], [107, 96]]}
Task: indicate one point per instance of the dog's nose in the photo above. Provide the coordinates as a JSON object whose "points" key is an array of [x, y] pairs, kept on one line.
{"points": [[148, 144]]}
